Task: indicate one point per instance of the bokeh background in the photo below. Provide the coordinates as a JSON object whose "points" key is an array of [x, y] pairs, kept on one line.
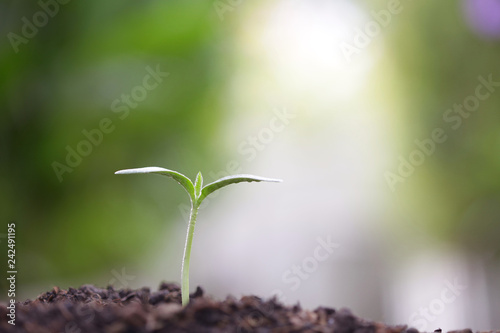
{"points": [[330, 96]]}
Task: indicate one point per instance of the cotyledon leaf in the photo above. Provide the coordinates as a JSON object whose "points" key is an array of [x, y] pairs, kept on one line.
{"points": [[178, 177], [209, 188]]}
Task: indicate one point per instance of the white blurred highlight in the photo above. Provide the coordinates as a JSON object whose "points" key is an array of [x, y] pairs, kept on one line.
{"points": [[332, 158]]}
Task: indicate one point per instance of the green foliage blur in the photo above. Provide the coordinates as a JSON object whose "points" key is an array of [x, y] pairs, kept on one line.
{"points": [[439, 57], [63, 81]]}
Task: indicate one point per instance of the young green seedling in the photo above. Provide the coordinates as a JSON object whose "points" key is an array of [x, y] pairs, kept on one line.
{"points": [[197, 193]]}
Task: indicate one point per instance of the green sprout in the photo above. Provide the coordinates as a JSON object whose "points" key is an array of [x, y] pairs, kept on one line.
{"points": [[197, 193]]}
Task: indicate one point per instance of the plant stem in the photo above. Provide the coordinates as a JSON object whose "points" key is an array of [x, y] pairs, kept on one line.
{"points": [[187, 253]]}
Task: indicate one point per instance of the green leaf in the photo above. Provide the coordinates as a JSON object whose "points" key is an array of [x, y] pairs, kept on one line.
{"points": [[178, 177], [198, 184], [209, 188]]}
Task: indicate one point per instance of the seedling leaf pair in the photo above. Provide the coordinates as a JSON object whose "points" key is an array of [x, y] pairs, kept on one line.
{"points": [[197, 193]]}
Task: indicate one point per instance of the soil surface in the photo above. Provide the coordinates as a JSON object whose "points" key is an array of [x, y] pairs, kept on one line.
{"points": [[94, 310]]}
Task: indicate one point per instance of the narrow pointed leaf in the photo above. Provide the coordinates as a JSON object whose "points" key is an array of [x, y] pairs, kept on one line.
{"points": [[209, 188], [198, 184], [178, 177]]}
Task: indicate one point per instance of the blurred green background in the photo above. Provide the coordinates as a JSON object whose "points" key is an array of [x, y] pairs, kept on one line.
{"points": [[73, 228], [64, 81]]}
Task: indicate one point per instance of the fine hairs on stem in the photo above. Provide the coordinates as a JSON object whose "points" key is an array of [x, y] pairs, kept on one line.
{"points": [[197, 192]]}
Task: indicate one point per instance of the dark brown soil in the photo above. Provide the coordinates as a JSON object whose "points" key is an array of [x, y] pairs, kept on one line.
{"points": [[94, 310]]}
